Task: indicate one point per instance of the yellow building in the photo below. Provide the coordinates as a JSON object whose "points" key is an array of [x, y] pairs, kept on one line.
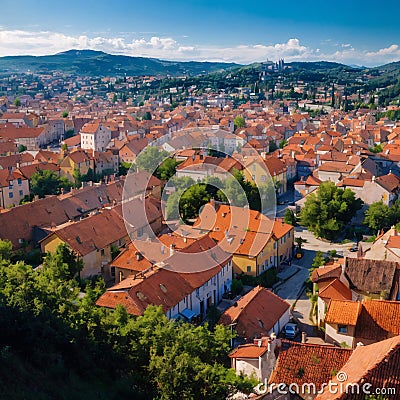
{"points": [[256, 242], [91, 239], [77, 160], [258, 173]]}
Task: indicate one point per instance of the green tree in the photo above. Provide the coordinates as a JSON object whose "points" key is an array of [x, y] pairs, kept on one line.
{"points": [[123, 168], [192, 200], [239, 122], [5, 249], [21, 148], [78, 178], [167, 169], [272, 146], [17, 102], [283, 143], [327, 212], [379, 216], [299, 242], [151, 158], [65, 114], [147, 116], [289, 217], [46, 182]]}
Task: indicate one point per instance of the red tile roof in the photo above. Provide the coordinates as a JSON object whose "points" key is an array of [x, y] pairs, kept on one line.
{"points": [[336, 290], [255, 313], [300, 363], [343, 312], [376, 364]]}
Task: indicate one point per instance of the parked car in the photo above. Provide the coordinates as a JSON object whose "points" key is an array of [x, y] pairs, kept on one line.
{"points": [[353, 248], [291, 330]]}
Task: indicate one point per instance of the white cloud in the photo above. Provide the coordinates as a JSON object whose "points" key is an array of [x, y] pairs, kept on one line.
{"points": [[21, 42]]}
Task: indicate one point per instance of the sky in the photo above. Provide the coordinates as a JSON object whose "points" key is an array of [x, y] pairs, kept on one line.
{"points": [[352, 32]]}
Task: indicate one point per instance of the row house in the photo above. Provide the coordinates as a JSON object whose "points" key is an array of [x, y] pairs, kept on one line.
{"points": [[256, 242], [184, 290], [13, 188]]}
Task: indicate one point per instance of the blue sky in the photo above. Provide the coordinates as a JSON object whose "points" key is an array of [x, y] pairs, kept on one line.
{"points": [[352, 32]]}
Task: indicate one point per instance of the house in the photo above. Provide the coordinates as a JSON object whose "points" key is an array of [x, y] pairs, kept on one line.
{"points": [[377, 278], [92, 239], [258, 313], [32, 138], [334, 171], [77, 160], [256, 359], [261, 173], [105, 163], [369, 321], [256, 242], [176, 284], [374, 368], [384, 188], [95, 136], [130, 150], [132, 260], [27, 224], [13, 188], [332, 285], [306, 368]]}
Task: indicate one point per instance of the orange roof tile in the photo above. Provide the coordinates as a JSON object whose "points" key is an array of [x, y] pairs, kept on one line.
{"points": [[343, 312], [256, 312], [317, 363], [376, 364]]}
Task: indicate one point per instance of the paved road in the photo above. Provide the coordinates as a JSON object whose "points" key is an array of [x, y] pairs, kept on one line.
{"points": [[313, 244], [290, 289]]}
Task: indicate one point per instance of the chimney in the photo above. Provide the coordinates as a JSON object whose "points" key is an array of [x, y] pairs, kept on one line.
{"points": [[303, 337], [212, 202], [162, 249], [62, 190], [171, 250]]}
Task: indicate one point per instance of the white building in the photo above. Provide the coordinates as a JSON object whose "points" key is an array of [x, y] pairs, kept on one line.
{"points": [[95, 136], [184, 284]]}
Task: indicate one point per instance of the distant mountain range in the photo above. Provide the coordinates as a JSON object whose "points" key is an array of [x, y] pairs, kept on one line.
{"points": [[98, 63]]}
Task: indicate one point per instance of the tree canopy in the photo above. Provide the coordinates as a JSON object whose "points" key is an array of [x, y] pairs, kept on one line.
{"points": [[239, 122], [327, 212], [46, 182], [90, 351], [380, 216], [150, 158]]}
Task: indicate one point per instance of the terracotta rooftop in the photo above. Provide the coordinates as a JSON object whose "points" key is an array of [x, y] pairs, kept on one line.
{"points": [[308, 363], [336, 290], [255, 313], [248, 351], [376, 364], [326, 272], [343, 312]]}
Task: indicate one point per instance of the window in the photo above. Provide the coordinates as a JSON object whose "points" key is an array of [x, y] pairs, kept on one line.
{"points": [[113, 272], [21, 193], [102, 252], [10, 195], [342, 329], [248, 268], [274, 245], [19, 181]]}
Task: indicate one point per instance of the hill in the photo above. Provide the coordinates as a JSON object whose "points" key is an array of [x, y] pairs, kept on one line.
{"points": [[98, 63]]}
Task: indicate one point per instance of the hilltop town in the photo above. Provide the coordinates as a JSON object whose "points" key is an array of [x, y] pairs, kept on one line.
{"points": [[306, 240]]}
